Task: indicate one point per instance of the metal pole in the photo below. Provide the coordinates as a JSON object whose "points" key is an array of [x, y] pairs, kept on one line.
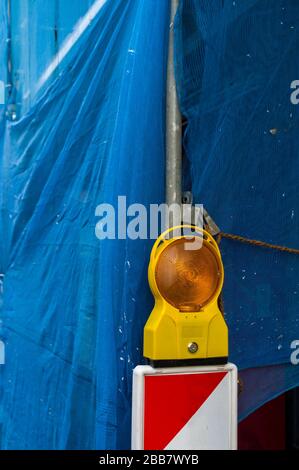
{"points": [[173, 125]]}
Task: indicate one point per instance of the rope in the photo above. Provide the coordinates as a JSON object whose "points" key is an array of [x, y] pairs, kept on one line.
{"points": [[249, 241]]}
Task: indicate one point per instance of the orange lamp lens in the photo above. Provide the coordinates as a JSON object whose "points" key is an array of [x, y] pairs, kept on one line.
{"points": [[187, 279]]}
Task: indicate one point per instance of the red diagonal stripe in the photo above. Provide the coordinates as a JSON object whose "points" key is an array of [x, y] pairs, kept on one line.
{"points": [[170, 401]]}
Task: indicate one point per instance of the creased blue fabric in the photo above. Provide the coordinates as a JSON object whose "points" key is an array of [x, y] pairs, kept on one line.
{"points": [[74, 307], [235, 62]]}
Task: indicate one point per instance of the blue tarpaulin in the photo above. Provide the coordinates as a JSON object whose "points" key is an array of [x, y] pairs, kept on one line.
{"points": [[236, 62], [75, 306], [83, 126]]}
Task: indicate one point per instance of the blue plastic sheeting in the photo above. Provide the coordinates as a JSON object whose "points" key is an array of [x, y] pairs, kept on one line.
{"points": [[74, 306], [40, 30], [236, 61]]}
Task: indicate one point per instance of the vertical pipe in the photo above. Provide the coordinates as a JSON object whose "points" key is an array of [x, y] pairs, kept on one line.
{"points": [[173, 125]]}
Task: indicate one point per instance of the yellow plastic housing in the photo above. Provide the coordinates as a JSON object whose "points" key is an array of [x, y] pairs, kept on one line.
{"points": [[186, 284]]}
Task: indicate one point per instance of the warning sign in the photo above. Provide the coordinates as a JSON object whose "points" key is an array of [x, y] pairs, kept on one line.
{"points": [[192, 408]]}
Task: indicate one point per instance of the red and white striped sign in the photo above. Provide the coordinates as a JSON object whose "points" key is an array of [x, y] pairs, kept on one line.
{"points": [[188, 408]]}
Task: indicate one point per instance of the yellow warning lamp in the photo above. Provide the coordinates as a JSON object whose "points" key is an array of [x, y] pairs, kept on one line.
{"points": [[186, 278]]}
